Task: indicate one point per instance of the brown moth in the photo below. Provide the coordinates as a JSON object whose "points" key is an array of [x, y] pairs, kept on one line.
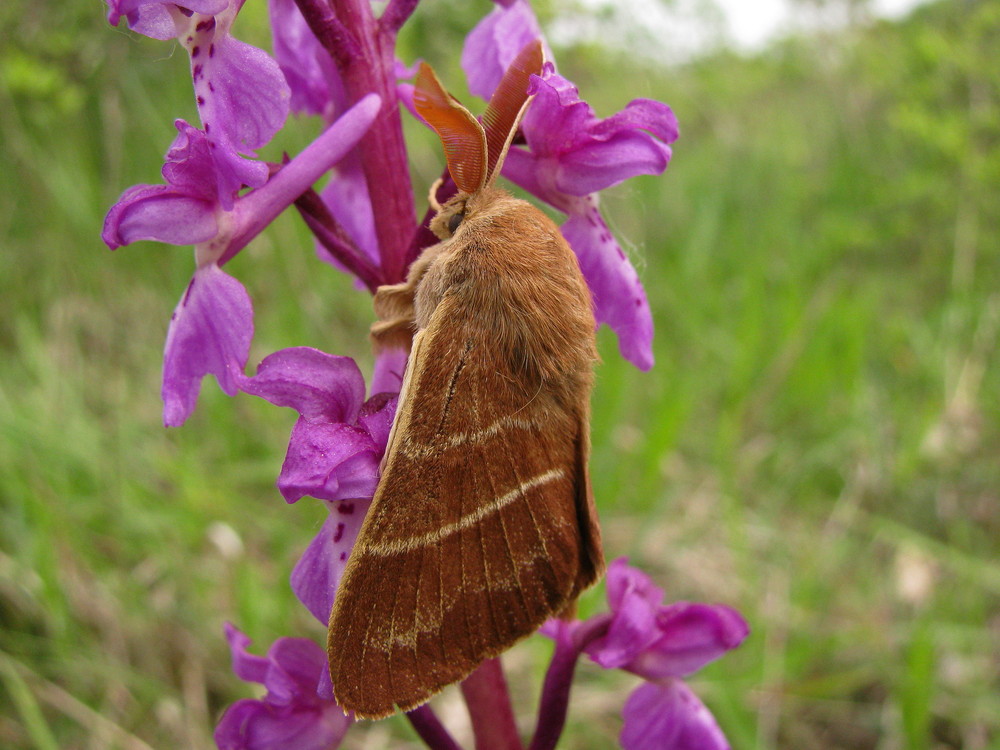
{"points": [[483, 524]]}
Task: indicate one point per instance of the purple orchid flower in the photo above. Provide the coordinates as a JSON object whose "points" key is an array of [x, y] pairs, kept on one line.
{"points": [[211, 329], [571, 155], [662, 644], [293, 713], [317, 574], [494, 43], [160, 19], [316, 85], [338, 441], [333, 454], [242, 96]]}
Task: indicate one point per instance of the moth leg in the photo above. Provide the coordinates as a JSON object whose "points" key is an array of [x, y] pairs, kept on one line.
{"points": [[394, 305], [393, 334]]}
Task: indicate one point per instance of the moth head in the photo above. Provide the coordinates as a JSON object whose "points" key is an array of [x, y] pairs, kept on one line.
{"points": [[475, 150], [450, 216]]}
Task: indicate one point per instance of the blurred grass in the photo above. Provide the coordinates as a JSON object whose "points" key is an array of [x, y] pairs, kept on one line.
{"points": [[817, 444]]}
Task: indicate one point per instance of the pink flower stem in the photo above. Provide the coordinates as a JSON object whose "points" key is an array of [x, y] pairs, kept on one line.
{"points": [[396, 13], [430, 729], [335, 240], [329, 30], [554, 702], [383, 151], [488, 700]]}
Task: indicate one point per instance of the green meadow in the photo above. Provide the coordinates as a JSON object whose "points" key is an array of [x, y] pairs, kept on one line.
{"points": [[817, 444]]}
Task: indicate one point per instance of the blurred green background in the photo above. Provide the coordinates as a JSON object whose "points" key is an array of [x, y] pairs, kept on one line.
{"points": [[816, 446]]}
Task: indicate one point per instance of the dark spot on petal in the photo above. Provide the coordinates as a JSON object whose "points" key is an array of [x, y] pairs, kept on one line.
{"points": [[343, 556], [206, 24], [196, 71], [339, 533], [211, 87], [620, 253], [187, 292], [189, 40], [201, 101], [345, 508], [195, 51], [206, 130], [638, 302], [211, 50]]}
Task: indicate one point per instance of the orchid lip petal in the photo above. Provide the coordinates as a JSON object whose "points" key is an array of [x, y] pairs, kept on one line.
{"points": [[293, 713], [668, 716], [319, 386], [209, 333], [494, 43], [619, 298], [241, 94], [329, 462], [659, 641], [317, 574]]}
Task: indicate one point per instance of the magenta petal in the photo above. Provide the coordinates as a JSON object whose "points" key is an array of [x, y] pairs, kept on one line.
{"points": [[233, 173], [390, 364], [152, 18], [377, 416], [319, 386], [329, 462], [257, 725], [190, 163], [527, 170], [635, 603], [346, 196], [690, 636], [578, 153], [246, 666], [161, 213], [181, 212], [325, 687], [643, 114], [296, 665], [209, 333], [146, 18], [557, 120], [601, 164], [668, 716], [311, 75], [560, 630], [292, 714], [624, 582], [318, 571], [242, 96], [619, 299], [493, 44]]}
